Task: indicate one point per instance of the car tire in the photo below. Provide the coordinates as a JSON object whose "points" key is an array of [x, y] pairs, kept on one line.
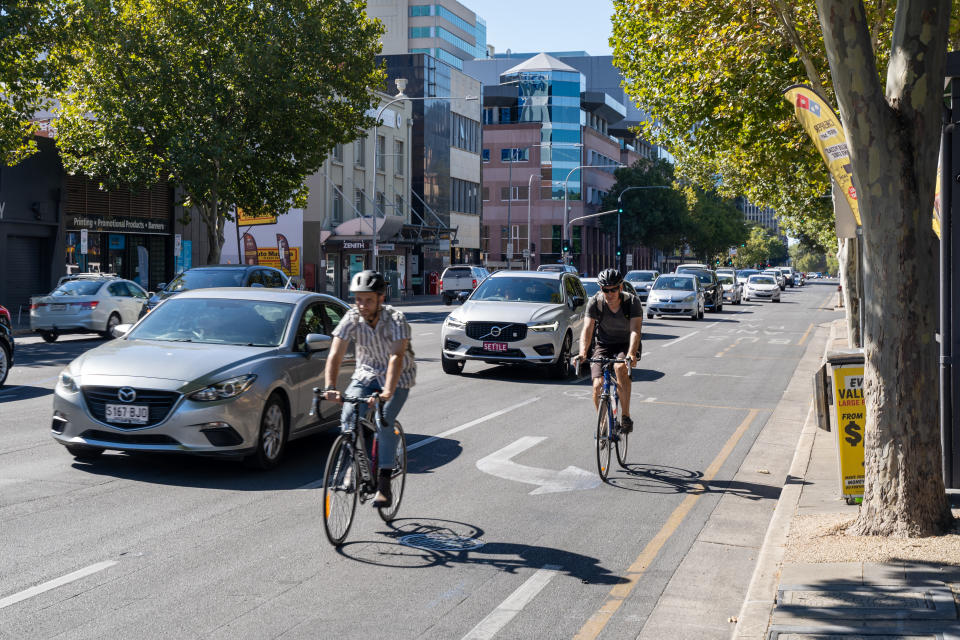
{"points": [[272, 437], [560, 370], [451, 365], [649, 316], [777, 300], [112, 322], [49, 336], [695, 314], [4, 363], [447, 300], [83, 453]]}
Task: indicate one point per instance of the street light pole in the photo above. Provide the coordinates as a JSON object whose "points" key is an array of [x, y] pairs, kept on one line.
{"points": [[620, 210], [566, 214], [509, 202], [529, 223]]}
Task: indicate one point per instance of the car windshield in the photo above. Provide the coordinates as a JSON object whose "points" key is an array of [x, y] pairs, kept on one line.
{"points": [[78, 288], [254, 323], [704, 277], [640, 276], [515, 289], [725, 279], [762, 280], [206, 279], [674, 283]]}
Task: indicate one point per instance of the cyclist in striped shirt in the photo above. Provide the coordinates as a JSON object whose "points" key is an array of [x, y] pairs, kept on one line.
{"points": [[385, 365]]}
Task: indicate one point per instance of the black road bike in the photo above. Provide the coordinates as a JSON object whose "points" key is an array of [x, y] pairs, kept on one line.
{"points": [[609, 431]]}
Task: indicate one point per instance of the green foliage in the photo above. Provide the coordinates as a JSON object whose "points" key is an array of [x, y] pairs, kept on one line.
{"points": [[806, 259], [761, 247], [653, 217], [711, 76], [237, 103], [714, 225]]}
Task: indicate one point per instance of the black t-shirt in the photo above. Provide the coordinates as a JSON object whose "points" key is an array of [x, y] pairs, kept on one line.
{"points": [[614, 328]]}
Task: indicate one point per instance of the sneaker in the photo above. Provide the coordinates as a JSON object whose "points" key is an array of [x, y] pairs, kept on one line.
{"points": [[346, 484], [626, 424]]}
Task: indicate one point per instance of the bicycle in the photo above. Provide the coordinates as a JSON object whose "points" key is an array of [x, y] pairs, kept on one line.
{"points": [[350, 474], [607, 412]]}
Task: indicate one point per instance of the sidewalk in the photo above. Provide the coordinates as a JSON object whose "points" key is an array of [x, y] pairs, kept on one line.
{"points": [[813, 582]]}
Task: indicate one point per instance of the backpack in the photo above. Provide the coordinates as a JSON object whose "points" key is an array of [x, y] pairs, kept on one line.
{"points": [[626, 301]]}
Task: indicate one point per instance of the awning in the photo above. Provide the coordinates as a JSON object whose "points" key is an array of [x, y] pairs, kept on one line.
{"points": [[387, 227]]}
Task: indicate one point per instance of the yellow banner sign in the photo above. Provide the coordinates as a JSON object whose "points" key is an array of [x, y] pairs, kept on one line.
{"points": [[823, 127], [270, 257], [244, 218], [851, 413], [936, 200]]}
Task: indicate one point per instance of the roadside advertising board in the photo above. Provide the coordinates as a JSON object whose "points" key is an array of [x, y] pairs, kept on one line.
{"points": [[850, 412]]}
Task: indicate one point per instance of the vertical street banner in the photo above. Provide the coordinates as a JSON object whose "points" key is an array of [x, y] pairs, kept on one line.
{"points": [[824, 128], [851, 411], [936, 193]]}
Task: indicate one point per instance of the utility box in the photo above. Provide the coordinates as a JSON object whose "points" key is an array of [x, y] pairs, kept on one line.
{"points": [[393, 285], [849, 419]]}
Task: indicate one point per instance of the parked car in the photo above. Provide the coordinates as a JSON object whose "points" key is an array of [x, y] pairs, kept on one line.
{"points": [[224, 372], [7, 346], [220, 275], [781, 281], [460, 278], [712, 291], [87, 305], [592, 286], [562, 268], [690, 266], [642, 280], [788, 275], [762, 286], [517, 317], [677, 294], [732, 290]]}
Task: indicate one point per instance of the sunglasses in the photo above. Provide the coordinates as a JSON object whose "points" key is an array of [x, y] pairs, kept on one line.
{"points": [[610, 289]]}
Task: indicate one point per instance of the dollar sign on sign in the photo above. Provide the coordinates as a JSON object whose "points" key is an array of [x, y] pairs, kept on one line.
{"points": [[853, 433]]}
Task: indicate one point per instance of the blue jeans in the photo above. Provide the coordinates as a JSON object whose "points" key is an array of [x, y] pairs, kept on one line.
{"points": [[387, 444]]}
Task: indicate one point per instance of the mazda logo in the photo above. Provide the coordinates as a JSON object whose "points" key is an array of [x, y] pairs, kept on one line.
{"points": [[126, 394], [495, 332]]}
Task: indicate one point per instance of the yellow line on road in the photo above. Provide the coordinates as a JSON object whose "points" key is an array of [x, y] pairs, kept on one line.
{"points": [[592, 628], [701, 406], [805, 334]]}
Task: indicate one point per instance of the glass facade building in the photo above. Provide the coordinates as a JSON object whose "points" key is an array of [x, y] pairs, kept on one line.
{"points": [[442, 29]]}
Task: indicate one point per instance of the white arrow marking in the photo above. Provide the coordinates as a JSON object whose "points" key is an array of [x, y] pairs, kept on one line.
{"points": [[712, 375], [500, 464]]}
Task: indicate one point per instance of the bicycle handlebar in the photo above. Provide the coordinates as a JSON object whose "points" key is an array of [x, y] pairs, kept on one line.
{"points": [[318, 396]]}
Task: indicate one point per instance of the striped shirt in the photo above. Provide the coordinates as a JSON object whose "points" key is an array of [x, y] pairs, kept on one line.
{"points": [[374, 345]]}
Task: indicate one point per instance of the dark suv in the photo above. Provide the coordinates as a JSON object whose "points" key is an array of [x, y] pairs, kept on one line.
{"points": [[220, 275], [712, 290]]}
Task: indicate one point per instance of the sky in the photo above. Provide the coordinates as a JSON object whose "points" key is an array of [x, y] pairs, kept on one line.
{"points": [[546, 25]]}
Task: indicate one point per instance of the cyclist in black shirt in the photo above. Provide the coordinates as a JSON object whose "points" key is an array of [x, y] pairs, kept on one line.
{"points": [[616, 318]]}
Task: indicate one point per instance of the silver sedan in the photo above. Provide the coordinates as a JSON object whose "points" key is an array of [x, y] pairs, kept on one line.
{"points": [[225, 372]]}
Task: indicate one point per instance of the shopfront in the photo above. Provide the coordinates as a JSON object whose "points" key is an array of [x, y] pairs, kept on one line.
{"points": [[344, 258]]}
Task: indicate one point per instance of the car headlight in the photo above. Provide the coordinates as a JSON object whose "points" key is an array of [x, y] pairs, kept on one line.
{"points": [[68, 382], [688, 298], [454, 323], [222, 390], [542, 328]]}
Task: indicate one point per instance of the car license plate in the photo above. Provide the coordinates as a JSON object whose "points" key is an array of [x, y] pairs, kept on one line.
{"points": [[57, 307], [128, 413], [494, 346]]}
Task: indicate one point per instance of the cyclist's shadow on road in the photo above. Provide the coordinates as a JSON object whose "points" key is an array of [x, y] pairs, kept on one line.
{"points": [[648, 478], [421, 543]]}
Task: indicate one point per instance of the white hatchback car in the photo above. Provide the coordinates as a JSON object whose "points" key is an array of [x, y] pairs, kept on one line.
{"points": [[762, 287], [87, 305]]}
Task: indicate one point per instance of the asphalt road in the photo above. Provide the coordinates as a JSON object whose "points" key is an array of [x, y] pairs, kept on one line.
{"points": [[152, 546]]}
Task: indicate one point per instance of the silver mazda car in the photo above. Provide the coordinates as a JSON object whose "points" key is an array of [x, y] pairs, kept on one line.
{"points": [[226, 372], [517, 317]]}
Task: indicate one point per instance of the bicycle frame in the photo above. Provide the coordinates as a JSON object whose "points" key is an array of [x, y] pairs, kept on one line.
{"points": [[610, 390], [358, 445]]}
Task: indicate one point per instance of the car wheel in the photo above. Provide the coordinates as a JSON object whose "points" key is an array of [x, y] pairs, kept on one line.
{"points": [[112, 322], [777, 300], [451, 365], [83, 452], [49, 336], [272, 441], [4, 363], [560, 369], [649, 316], [695, 314], [447, 300]]}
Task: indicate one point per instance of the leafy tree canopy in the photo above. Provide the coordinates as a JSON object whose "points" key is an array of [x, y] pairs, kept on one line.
{"points": [[235, 102], [654, 215], [715, 224], [760, 248]]}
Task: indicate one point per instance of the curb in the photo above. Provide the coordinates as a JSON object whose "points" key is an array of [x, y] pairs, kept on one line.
{"points": [[757, 610]]}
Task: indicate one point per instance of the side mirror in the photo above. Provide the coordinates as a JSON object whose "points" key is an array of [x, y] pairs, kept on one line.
{"points": [[121, 330], [317, 342], [462, 296], [575, 301], [150, 294]]}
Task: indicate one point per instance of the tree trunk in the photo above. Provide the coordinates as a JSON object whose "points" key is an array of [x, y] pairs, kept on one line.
{"points": [[893, 141], [848, 283], [214, 224]]}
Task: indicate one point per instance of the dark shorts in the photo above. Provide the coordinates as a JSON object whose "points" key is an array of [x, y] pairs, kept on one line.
{"points": [[618, 350]]}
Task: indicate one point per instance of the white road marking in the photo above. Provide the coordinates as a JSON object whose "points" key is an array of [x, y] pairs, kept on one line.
{"points": [[500, 464], [672, 342], [514, 604], [57, 582], [428, 333], [713, 375], [651, 399]]}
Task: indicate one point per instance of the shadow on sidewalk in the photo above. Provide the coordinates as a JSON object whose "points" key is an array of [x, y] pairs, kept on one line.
{"points": [[646, 478]]}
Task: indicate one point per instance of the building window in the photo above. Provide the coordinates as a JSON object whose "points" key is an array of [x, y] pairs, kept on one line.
{"points": [[486, 194], [381, 149], [485, 155], [517, 155], [421, 32], [452, 60], [519, 193], [359, 151], [336, 210], [418, 10], [400, 158], [489, 115], [464, 133], [338, 152], [400, 210], [464, 196], [381, 204], [358, 201]]}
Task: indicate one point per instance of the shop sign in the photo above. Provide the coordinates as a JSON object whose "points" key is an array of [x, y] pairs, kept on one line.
{"points": [[118, 224], [272, 257], [254, 218], [117, 241], [851, 420], [387, 246], [354, 244], [176, 245], [84, 241]]}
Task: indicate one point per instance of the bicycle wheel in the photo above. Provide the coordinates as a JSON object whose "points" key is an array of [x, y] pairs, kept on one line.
{"points": [[623, 440], [399, 477], [603, 438], [340, 478]]}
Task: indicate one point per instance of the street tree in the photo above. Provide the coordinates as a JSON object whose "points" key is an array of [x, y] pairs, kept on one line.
{"points": [[236, 103], [652, 217], [760, 247], [893, 135], [714, 225]]}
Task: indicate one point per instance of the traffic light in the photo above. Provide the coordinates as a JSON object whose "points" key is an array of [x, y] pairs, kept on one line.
{"points": [[718, 262], [620, 210], [566, 246], [618, 252]]}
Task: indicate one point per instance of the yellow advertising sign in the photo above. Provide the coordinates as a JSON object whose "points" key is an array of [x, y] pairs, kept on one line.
{"points": [[270, 257], [244, 218], [824, 128], [851, 413]]}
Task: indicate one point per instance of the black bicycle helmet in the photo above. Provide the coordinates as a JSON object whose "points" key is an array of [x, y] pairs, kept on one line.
{"points": [[368, 281], [609, 278]]}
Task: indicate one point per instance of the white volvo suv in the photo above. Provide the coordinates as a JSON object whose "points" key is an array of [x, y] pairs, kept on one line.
{"points": [[517, 317]]}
